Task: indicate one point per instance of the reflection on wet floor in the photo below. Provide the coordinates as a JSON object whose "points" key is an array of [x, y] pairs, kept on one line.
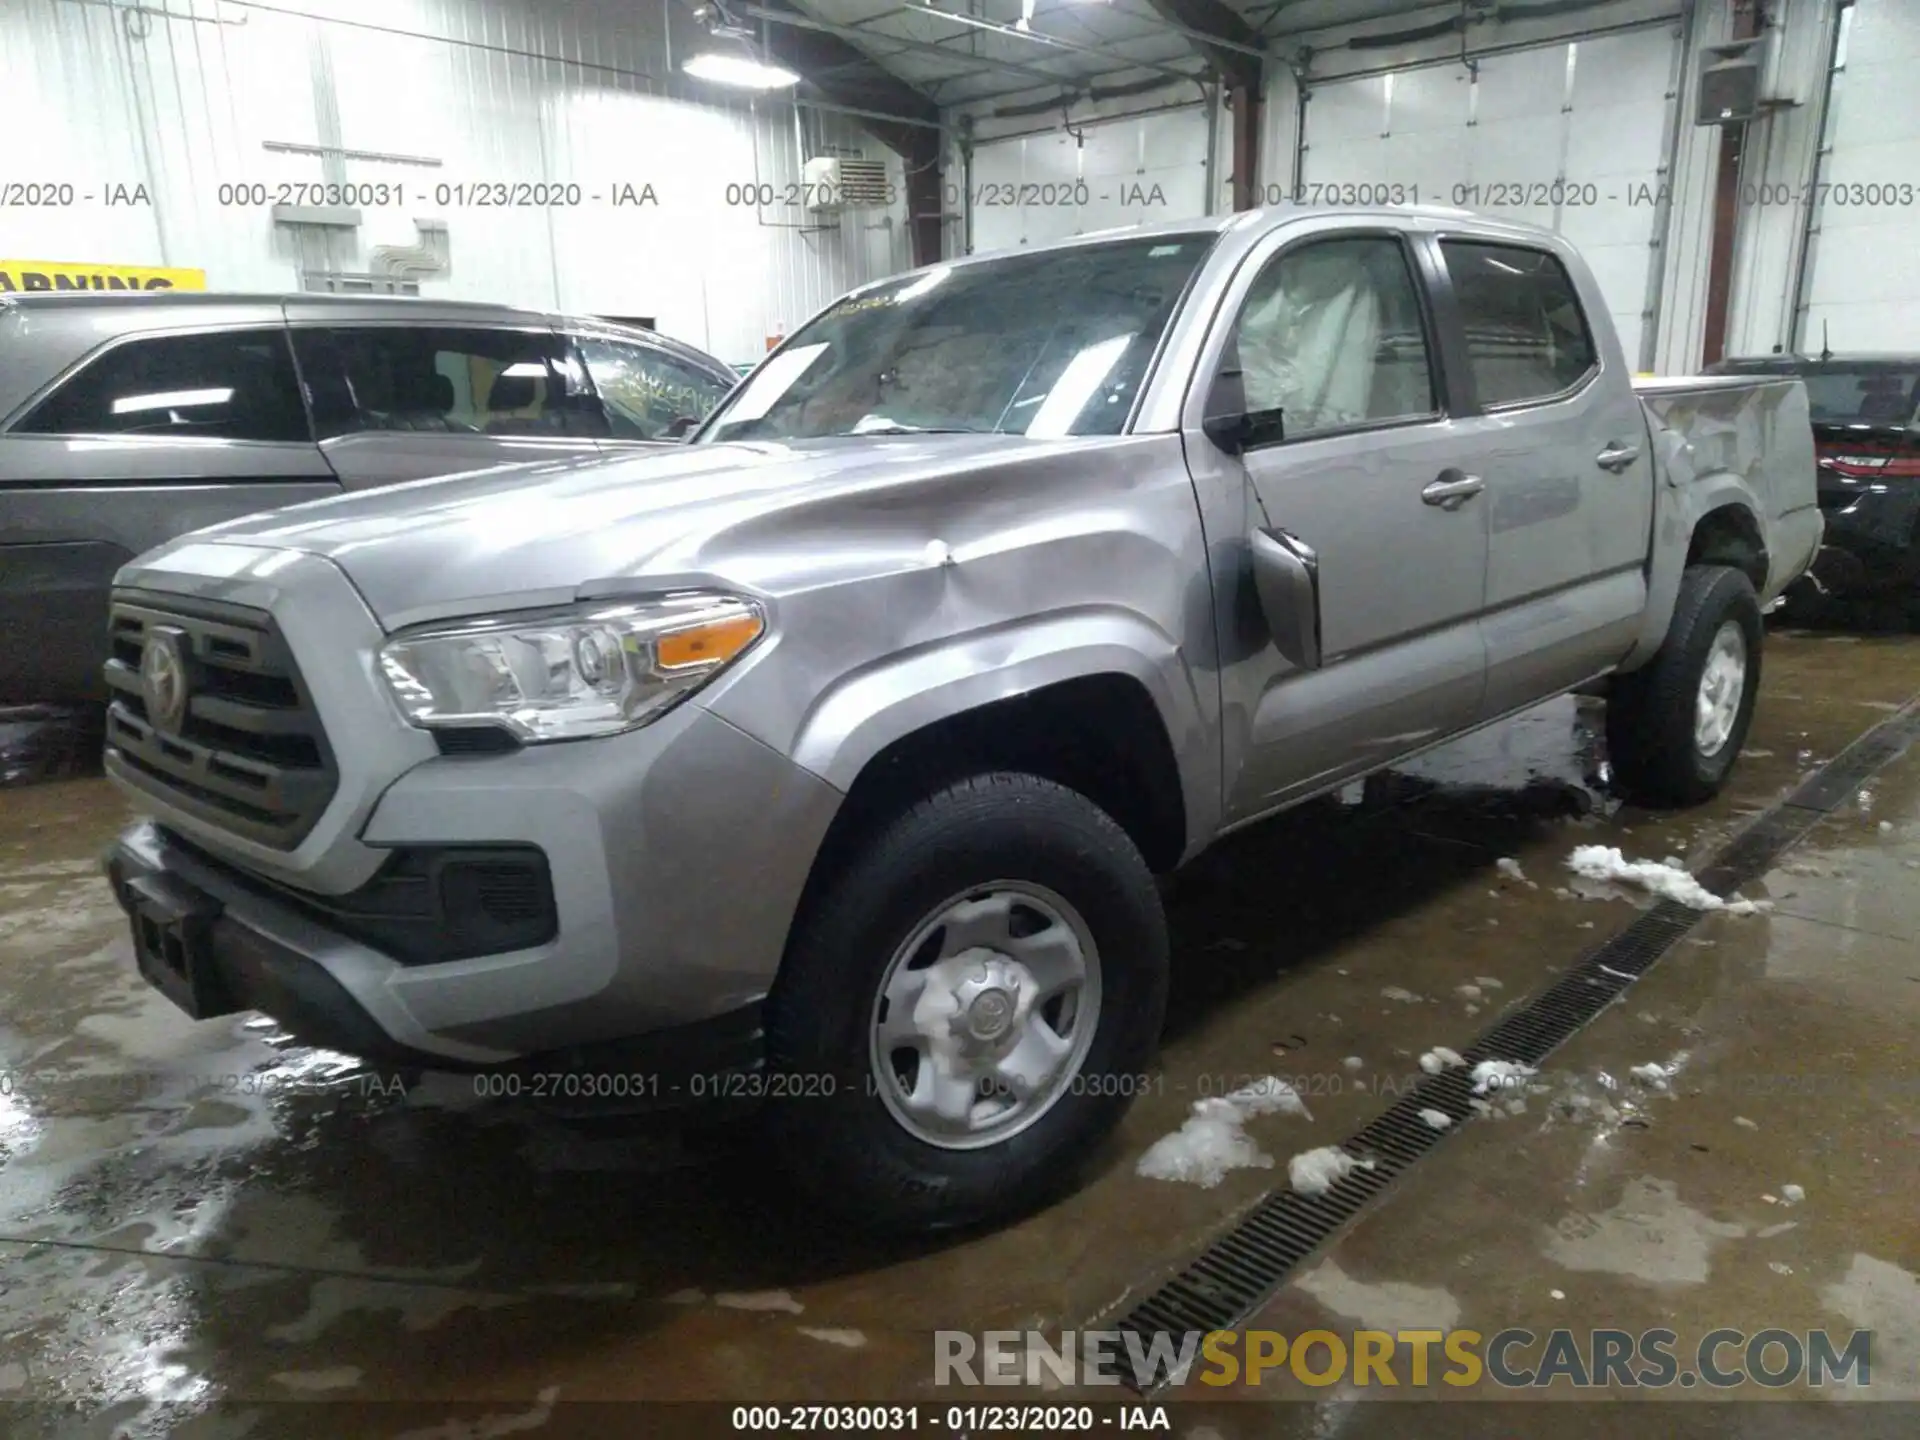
{"points": [[192, 1215]]}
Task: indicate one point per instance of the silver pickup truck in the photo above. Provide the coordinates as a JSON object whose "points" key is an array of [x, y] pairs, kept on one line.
{"points": [[828, 761]]}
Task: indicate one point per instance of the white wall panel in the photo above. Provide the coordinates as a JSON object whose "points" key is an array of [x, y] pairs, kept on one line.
{"points": [[1119, 172], [1863, 264], [181, 97]]}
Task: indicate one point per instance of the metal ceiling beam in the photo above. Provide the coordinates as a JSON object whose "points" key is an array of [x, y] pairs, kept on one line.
{"points": [[1218, 35]]}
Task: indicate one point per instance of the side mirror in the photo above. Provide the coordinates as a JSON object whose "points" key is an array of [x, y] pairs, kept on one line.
{"points": [[680, 427], [1230, 431], [1226, 422], [1286, 575]]}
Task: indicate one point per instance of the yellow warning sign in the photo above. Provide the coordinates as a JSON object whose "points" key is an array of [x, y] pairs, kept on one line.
{"points": [[78, 275]]}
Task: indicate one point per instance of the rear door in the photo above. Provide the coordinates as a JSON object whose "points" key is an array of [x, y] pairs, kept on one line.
{"points": [[647, 392], [1562, 444], [153, 436], [1354, 456], [398, 400]]}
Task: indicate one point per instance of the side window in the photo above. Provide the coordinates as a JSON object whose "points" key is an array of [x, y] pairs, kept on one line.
{"points": [[1331, 337], [1526, 336], [440, 380], [645, 390], [237, 385]]}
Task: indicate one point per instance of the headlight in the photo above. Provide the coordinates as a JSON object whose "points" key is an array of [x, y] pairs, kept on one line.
{"points": [[564, 675]]}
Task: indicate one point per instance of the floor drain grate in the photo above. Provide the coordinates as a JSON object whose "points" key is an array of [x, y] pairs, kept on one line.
{"points": [[1242, 1270]]}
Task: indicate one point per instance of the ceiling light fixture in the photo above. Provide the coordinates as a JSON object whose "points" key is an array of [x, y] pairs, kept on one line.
{"points": [[739, 70]]}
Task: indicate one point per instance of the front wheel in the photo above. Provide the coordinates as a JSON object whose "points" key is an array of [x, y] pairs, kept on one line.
{"points": [[1676, 725], [972, 1001]]}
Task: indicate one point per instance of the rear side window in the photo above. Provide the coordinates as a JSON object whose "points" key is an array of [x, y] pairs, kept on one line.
{"points": [[236, 385], [1527, 338], [443, 381], [645, 390]]}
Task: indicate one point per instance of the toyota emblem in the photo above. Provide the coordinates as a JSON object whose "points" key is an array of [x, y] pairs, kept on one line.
{"points": [[163, 675]]}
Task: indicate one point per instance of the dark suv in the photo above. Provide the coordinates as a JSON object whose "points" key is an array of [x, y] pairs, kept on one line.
{"points": [[1866, 433], [127, 419]]}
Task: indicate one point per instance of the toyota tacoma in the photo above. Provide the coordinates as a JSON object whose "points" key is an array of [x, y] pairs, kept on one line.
{"points": [[830, 759]]}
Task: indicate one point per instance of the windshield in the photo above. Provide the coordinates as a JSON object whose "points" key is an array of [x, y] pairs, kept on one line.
{"points": [[1047, 344]]}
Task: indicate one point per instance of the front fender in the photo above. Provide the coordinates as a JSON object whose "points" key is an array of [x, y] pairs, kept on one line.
{"points": [[863, 713]]}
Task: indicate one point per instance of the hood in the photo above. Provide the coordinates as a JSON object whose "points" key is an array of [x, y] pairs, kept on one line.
{"points": [[525, 535]]}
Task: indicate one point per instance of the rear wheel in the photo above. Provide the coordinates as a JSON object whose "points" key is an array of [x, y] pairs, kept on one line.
{"points": [[1676, 725], [967, 1006]]}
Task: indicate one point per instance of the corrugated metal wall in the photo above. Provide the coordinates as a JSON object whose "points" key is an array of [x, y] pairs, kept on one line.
{"points": [[184, 96]]}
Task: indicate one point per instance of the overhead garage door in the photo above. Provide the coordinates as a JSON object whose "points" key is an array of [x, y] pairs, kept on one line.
{"points": [[1862, 290], [1037, 188], [1571, 136]]}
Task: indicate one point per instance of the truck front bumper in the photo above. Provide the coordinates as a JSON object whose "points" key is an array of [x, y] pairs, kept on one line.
{"points": [[673, 858], [216, 941]]}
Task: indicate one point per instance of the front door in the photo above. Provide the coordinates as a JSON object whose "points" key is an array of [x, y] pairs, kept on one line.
{"points": [[1351, 453], [395, 401]]}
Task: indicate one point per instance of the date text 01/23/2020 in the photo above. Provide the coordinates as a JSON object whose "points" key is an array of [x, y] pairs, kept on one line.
{"points": [[764, 1085], [950, 1419]]}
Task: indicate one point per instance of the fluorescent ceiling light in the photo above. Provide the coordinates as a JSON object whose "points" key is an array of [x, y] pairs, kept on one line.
{"points": [[172, 400], [739, 70]]}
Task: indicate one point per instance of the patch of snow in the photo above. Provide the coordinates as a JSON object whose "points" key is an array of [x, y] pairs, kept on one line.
{"points": [[1886, 825], [1314, 1172], [1405, 997], [1484, 1109], [1778, 1268], [1510, 868], [1436, 1119], [1745, 1124], [846, 1339], [1500, 1075], [1792, 1194], [1488, 982], [1439, 1058], [760, 1300], [1670, 880], [1468, 992], [1213, 1139], [1558, 1294], [1353, 1062], [1653, 1073]]}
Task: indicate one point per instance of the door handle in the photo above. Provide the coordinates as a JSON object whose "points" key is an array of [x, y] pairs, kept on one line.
{"points": [[1616, 457], [1453, 489]]}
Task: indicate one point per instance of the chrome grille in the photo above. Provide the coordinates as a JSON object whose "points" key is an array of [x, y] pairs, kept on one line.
{"points": [[249, 754]]}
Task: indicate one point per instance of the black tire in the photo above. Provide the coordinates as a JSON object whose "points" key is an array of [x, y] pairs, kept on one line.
{"points": [[1650, 712], [845, 1148]]}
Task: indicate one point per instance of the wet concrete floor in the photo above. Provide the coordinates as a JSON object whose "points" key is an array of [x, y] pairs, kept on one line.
{"points": [[199, 1223]]}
